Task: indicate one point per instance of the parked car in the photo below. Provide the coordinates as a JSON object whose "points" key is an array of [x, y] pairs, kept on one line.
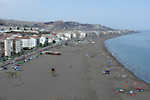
{"points": [[30, 58], [16, 64], [43, 52], [13, 62], [35, 56], [25, 60], [13, 66], [17, 68], [4, 67]]}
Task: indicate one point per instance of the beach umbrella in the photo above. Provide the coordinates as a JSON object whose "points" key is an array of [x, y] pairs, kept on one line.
{"points": [[109, 64], [131, 92]]}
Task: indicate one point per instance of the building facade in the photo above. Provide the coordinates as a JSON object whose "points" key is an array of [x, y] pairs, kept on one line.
{"points": [[30, 42], [7, 47], [16, 46], [44, 40], [1, 48], [27, 43]]}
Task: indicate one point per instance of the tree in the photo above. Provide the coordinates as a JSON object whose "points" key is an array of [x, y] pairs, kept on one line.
{"points": [[41, 45], [18, 28], [54, 41]]}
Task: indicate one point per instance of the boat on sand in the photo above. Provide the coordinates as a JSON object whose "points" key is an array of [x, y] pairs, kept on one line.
{"points": [[52, 53]]}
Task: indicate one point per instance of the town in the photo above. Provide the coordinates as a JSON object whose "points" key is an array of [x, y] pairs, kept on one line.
{"points": [[15, 41], [74, 50]]}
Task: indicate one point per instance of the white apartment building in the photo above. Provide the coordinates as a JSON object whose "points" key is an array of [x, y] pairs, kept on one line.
{"points": [[82, 35], [73, 35], [44, 39], [50, 38], [16, 46], [7, 47], [68, 35], [30, 42], [27, 43], [12, 46], [35, 41]]}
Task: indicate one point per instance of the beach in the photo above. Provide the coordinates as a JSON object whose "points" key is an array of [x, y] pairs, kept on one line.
{"points": [[78, 76]]}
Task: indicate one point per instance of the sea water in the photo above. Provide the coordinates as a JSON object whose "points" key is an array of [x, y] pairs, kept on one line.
{"points": [[133, 51]]}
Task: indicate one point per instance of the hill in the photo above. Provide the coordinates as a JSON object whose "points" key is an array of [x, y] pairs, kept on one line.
{"points": [[57, 25], [60, 25], [2, 22]]}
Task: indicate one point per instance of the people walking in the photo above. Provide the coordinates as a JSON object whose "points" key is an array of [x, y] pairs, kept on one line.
{"points": [[53, 72]]}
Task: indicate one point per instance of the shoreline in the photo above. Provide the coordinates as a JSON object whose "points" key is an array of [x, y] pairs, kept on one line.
{"points": [[105, 47], [78, 76], [131, 77]]}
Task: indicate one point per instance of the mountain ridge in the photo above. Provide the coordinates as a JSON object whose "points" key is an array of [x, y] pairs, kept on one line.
{"points": [[56, 25]]}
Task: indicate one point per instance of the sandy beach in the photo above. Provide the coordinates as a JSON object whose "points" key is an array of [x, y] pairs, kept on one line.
{"points": [[78, 76]]}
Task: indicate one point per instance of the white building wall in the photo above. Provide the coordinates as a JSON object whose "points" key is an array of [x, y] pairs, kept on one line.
{"points": [[7, 47], [29, 43], [33, 42], [25, 43], [18, 46], [74, 35], [68, 35], [82, 35], [50, 40], [42, 40]]}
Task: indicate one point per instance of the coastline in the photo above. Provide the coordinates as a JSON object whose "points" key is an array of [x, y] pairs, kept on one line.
{"points": [[79, 76], [122, 65], [119, 82]]}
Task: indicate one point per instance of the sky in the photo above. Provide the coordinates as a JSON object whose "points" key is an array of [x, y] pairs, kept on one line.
{"points": [[117, 14]]}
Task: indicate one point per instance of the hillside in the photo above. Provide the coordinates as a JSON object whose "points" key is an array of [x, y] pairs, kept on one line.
{"points": [[60, 25], [57, 25], [2, 22]]}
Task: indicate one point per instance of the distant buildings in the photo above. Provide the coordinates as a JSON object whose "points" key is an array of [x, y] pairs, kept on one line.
{"points": [[5, 29], [82, 34], [15, 43], [67, 35], [73, 35]]}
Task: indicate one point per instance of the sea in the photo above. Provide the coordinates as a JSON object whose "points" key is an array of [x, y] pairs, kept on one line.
{"points": [[132, 51]]}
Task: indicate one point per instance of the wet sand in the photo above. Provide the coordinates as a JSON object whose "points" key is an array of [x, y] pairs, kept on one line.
{"points": [[78, 77]]}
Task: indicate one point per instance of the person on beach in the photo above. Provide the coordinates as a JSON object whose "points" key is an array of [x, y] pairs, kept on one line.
{"points": [[107, 71], [53, 71]]}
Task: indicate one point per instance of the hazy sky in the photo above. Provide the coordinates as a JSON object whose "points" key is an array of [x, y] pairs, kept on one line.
{"points": [[119, 14]]}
